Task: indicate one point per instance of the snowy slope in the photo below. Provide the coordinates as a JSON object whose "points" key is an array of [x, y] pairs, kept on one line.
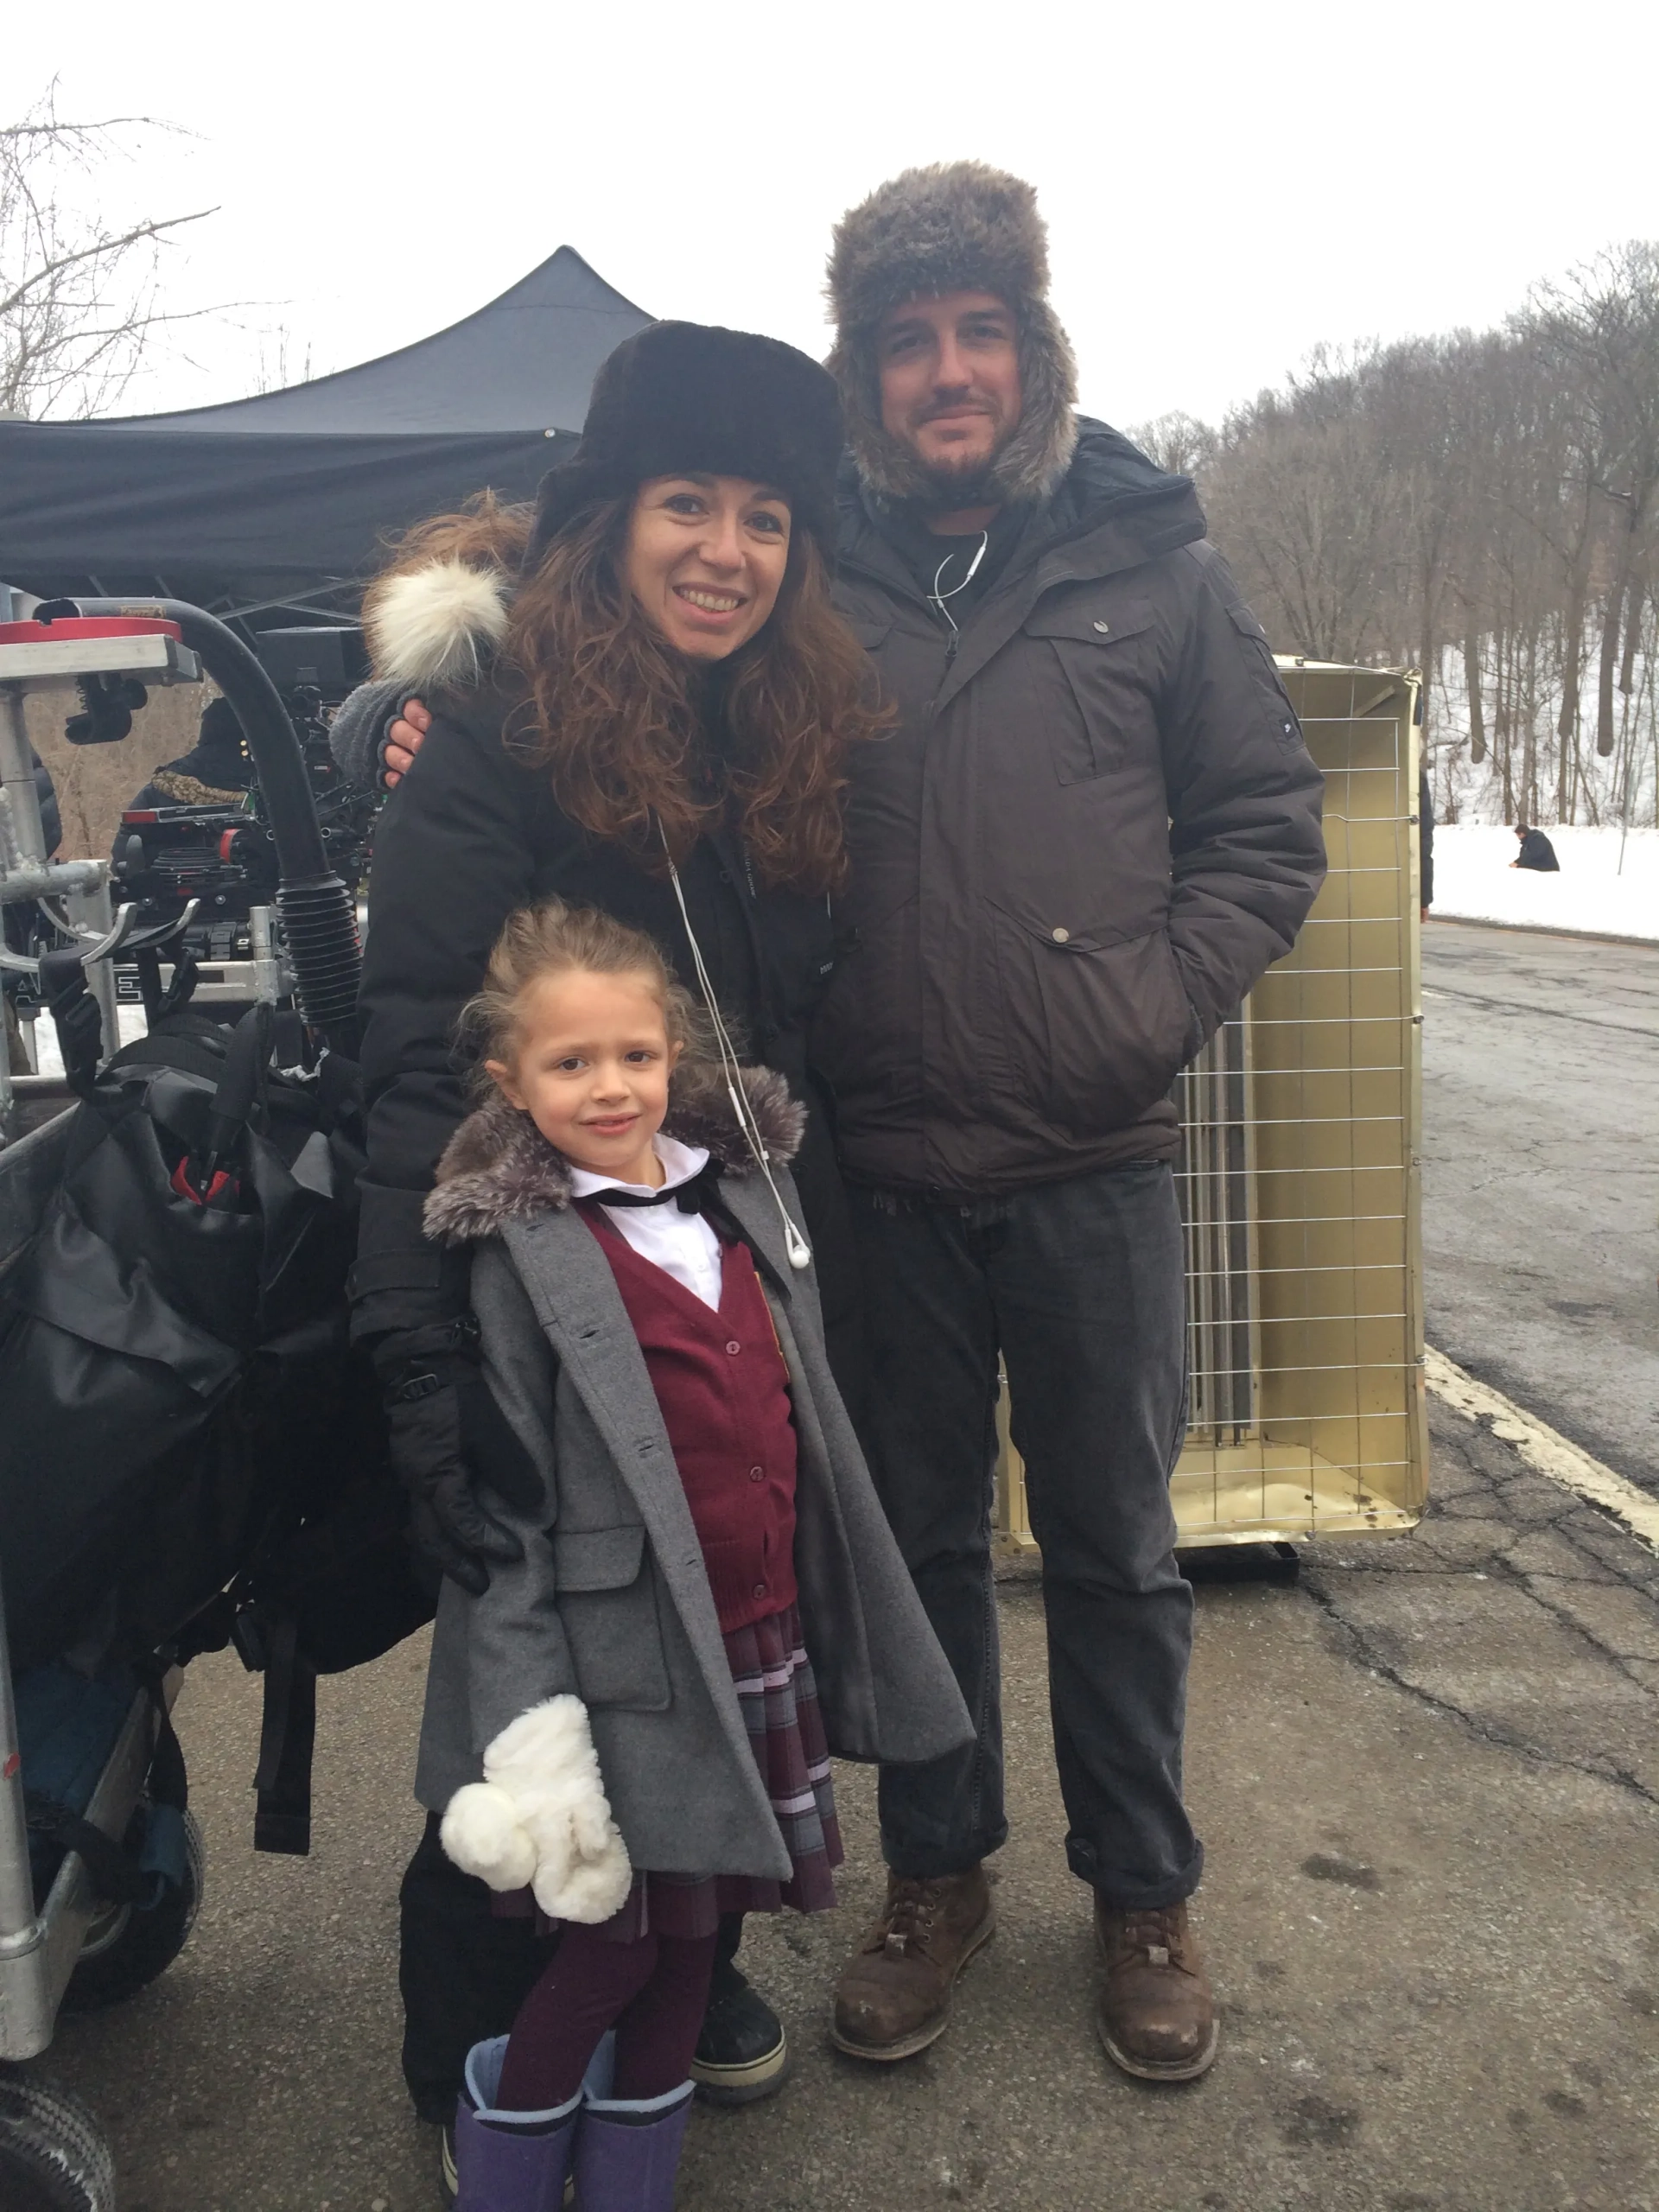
{"points": [[1473, 880]]}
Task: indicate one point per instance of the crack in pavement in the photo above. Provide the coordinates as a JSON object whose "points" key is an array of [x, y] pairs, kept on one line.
{"points": [[1553, 1014], [1365, 1653], [1491, 1482]]}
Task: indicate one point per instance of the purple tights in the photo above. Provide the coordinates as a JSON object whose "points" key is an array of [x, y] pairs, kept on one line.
{"points": [[653, 1991]]}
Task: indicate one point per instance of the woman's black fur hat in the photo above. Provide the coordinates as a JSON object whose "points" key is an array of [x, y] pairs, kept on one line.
{"points": [[689, 397]]}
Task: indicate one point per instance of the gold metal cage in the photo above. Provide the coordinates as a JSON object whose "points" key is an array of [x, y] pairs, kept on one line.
{"points": [[1299, 1180]]}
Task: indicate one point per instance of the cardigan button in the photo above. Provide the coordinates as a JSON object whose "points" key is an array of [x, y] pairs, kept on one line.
{"points": [[734, 1347], [759, 1589], [757, 1474]]}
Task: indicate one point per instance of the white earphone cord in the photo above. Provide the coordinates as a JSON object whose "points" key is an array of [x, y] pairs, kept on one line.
{"points": [[939, 597], [800, 1252]]}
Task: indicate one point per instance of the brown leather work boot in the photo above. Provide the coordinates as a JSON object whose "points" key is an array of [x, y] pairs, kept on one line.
{"points": [[1155, 2014], [894, 1994]]}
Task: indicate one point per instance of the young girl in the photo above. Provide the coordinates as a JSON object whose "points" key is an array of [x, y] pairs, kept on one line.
{"points": [[635, 1691]]}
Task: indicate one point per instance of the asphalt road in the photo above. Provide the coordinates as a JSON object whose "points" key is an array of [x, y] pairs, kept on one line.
{"points": [[1541, 1178]]}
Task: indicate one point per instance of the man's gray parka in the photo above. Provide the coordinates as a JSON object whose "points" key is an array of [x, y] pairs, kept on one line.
{"points": [[611, 1601]]}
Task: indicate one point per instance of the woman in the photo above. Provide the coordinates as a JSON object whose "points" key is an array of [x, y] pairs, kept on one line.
{"points": [[646, 669]]}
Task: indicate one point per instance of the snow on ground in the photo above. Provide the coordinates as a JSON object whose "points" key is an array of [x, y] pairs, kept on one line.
{"points": [[1473, 880]]}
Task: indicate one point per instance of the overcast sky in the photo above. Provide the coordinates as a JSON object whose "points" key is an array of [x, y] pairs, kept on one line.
{"points": [[1225, 186]]}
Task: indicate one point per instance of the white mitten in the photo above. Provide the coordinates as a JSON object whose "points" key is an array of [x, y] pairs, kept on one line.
{"points": [[546, 1764]]}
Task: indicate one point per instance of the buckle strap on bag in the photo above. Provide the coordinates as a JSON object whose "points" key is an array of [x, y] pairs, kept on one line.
{"points": [[117, 1877], [75, 1015], [282, 1819]]}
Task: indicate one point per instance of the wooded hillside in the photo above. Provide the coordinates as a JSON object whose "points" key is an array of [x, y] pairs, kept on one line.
{"points": [[1483, 507]]}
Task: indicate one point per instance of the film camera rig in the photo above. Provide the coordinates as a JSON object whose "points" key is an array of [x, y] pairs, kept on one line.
{"points": [[302, 943], [221, 854]]}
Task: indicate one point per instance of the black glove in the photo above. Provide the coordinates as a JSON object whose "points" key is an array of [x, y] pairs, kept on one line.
{"points": [[448, 1433]]}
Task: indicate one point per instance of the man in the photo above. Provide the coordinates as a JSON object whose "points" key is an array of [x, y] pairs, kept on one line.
{"points": [[1092, 826], [1536, 851]]}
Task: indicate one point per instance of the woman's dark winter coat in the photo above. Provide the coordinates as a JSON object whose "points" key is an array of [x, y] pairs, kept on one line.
{"points": [[469, 835], [611, 1600]]}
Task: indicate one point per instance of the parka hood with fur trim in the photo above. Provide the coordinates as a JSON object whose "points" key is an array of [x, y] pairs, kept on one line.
{"points": [[499, 1167], [956, 226]]}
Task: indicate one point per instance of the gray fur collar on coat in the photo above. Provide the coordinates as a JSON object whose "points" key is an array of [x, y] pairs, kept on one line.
{"points": [[498, 1168], [958, 226]]}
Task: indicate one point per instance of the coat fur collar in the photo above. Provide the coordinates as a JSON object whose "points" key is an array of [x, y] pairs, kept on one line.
{"points": [[498, 1168]]}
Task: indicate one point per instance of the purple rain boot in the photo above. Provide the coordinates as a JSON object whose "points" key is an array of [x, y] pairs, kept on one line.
{"points": [[509, 2161], [628, 2151]]}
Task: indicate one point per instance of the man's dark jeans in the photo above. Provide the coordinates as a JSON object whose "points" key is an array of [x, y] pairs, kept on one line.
{"points": [[1079, 1286]]}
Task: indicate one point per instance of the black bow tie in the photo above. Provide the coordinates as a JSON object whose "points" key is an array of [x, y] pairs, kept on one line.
{"points": [[691, 1197], [699, 1194]]}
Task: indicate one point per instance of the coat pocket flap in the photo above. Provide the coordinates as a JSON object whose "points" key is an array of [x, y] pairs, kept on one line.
{"points": [[1246, 624], [598, 1559], [1088, 621]]}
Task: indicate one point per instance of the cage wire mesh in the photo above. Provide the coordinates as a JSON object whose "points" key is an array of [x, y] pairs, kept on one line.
{"points": [[1298, 1179]]}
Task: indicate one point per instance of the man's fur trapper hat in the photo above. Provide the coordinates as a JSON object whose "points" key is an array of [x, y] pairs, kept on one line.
{"points": [[959, 226], [680, 398]]}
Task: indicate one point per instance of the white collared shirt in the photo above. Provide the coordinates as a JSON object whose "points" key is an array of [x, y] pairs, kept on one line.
{"points": [[681, 1244]]}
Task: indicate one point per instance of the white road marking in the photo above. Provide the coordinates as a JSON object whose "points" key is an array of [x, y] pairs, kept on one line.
{"points": [[1544, 1451]]}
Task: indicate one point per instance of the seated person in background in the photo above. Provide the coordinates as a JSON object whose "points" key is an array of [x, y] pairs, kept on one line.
{"points": [[216, 772], [1536, 851]]}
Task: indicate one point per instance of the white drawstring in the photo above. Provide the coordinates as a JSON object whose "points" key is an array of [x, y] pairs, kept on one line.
{"points": [[800, 1252]]}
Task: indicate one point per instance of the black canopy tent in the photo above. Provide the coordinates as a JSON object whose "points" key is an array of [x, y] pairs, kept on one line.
{"points": [[280, 502]]}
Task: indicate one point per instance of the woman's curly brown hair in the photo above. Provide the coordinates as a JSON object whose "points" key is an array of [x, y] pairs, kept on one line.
{"points": [[621, 720]]}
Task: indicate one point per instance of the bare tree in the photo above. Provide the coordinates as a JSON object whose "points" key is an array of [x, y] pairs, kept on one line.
{"points": [[1485, 505], [79, 293], [1179, 442]]}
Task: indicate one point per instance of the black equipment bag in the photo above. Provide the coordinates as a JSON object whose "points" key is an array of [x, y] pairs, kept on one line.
{"points": [[186, 1432]]}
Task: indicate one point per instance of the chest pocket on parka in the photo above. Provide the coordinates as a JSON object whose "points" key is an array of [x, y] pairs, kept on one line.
{"points": [[1104, 656]]}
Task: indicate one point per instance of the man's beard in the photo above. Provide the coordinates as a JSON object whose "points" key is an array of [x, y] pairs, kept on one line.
{"points": [[949, 490]]}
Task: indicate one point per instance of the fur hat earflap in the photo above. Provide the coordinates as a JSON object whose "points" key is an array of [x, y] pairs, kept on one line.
{"points": [[438, 624], [958, 226], [689, 398], [540, 1817]]}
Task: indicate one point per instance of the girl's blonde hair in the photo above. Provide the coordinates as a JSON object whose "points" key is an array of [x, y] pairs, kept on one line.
{"points": [[554, 939]]}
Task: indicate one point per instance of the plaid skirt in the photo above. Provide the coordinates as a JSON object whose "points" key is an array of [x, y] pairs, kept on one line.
{"points": [[778, 1700]]}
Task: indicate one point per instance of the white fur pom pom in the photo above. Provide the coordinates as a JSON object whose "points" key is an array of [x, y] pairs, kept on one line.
{"points": [[482, 1834], [435, 625]]}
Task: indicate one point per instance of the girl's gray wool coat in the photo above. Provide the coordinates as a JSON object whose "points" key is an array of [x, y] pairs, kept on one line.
{"points": [[610, 1601]]}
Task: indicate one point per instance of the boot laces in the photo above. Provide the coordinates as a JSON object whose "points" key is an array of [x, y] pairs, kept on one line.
{"points": [[1156, 1933], [909, 1916]]}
